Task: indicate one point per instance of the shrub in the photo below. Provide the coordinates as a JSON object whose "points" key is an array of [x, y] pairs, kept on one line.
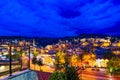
{"points": [[71, 73], [40, 63], [34, 61], [57, 75]]}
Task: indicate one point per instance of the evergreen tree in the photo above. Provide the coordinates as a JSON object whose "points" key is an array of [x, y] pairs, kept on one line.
{"points": [[34, 61], [40, 63], [71, 73]]}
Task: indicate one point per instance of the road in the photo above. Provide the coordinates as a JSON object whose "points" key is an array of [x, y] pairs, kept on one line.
{"points": [[6, 68], [88, 74]]}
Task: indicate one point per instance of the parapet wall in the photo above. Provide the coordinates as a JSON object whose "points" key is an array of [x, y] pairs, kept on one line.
{"points": [[27, 75]]}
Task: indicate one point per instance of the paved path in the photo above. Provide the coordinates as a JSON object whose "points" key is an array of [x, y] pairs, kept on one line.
{"points": [[97, 75]]}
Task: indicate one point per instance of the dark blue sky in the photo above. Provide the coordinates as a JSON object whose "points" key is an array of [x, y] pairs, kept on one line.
{"points": [[59, 18]]}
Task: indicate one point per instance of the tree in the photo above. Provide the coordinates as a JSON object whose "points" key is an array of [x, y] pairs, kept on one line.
{"points": [[60, 60], [108, 55], [87, 57], [35, 53], [74, 59], [40, 63], [57, 63], [114, 65], [67, 61], [71, 73], [57, 75], [34, 61], [16, 56]]}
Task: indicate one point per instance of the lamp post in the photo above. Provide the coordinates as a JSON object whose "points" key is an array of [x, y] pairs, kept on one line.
{"points": [[82, 66], [20, 46], [21, 58], [29, 56], [10, 60]]}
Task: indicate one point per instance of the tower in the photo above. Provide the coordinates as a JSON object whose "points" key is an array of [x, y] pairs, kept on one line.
{"points": [[34, 43]]}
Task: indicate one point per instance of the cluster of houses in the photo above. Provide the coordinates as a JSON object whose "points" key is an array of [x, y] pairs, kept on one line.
{"points": [[76, 46]]}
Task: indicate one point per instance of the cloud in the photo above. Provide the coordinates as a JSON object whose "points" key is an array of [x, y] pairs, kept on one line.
{"points": [[58, 18]]}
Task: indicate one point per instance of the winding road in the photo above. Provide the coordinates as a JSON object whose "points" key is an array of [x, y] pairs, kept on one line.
{"points": [[88, 74]]}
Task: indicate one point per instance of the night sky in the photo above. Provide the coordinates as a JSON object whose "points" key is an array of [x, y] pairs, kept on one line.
{"points": [[59, 18]]}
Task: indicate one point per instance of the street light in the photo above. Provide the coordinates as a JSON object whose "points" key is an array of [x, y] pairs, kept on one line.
{"points": [[29, 56], [10, 60], [21, 57], [28, 44], [21, 45]]}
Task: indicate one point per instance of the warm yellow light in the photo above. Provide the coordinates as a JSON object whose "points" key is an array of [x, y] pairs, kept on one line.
{"points": [[118, 44]]}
